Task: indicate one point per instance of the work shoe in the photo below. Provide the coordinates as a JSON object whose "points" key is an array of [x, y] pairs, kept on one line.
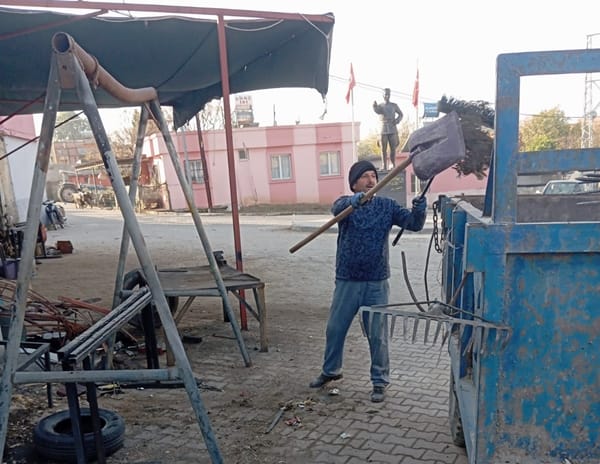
{"points": [[378, 394], [323, 380]]}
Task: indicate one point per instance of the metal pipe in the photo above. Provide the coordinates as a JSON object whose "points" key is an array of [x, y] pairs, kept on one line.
{"points": [[18, 308], [108, 375], [133, 187], [64, 43], [204, 164], [235, 215]]}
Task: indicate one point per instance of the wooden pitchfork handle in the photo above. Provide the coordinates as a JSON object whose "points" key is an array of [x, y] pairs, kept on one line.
{"points": [[346, 212]]}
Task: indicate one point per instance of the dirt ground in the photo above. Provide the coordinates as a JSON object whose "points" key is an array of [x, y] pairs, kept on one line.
{"points": [[241, 401]]}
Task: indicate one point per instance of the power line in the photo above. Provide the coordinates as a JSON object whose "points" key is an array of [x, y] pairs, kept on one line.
{"points": [[370, 87], [407, 96]]}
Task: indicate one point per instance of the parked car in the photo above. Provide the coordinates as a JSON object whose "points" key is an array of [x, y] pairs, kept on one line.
{"points": [[566, 187]]}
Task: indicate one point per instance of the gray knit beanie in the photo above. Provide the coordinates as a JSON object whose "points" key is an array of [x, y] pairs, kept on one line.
{"points": [[358, 169]]}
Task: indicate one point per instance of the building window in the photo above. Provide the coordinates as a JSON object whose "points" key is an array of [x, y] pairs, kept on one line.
{"points": [[329, 163], [194, 168], [243, 154], [281, 167]]}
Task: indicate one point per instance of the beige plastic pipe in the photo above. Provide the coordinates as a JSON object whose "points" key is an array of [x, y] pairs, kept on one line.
{"points": [[64, 43]]}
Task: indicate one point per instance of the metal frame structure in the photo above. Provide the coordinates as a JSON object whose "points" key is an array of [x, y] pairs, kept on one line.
{"points": [[68, 70], [537, 400], [222, 15], [66, 67]]}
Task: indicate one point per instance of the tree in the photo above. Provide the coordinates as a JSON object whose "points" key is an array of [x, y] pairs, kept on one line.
{"points": [[549, 130], [403, 134], [123, 141], [212, 116], [77, 128], [368, 146]]}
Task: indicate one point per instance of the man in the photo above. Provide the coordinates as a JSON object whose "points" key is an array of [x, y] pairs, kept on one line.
{"points": [[390, 116], [362, 272]]}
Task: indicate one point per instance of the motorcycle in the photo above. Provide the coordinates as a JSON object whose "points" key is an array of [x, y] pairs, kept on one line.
{"points": [[53, 215]]}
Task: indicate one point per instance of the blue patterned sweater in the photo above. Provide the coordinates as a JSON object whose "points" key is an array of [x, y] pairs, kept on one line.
{"points": [[363, 236]]}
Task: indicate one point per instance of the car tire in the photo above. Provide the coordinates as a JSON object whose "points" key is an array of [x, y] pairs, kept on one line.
{"points": [[66, 192], [53, 435], [132, 281]]}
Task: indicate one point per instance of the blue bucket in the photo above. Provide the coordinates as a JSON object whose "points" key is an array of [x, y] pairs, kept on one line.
{"points": [[10, 268]]}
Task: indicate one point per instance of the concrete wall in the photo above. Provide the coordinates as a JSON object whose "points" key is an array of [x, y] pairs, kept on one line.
{"points": [[17, 169]]}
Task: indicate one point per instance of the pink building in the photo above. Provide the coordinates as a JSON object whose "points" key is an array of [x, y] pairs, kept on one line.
{"points": [[305, 163]]}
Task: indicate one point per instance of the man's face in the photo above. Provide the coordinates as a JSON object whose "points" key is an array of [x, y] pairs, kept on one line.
{"points": [[365, 182], [386, 96]]}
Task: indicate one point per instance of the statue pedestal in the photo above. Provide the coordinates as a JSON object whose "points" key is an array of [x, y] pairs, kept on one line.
{"points": [[396, 188]]}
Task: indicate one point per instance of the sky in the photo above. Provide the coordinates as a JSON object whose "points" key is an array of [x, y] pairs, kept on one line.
{"points": [[453, 44]]}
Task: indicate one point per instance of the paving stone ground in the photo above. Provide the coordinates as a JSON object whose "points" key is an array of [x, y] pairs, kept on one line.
{"points": [[411, 426]]}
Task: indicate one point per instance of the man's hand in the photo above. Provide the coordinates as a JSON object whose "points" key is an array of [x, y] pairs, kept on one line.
{"points": [[419, 204], [355, 201]]}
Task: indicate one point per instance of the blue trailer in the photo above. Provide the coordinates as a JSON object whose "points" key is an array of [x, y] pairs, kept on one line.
{"points": [[530, 263]]}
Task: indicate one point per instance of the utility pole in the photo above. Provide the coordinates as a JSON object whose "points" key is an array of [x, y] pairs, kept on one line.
{"points": [[590, 109]]}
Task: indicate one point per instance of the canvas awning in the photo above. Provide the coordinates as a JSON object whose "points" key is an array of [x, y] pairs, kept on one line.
{"points": [[178, 56]]}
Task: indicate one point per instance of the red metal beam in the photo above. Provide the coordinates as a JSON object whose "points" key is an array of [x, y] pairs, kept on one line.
{"points": [[231, 159], [170, 9]]}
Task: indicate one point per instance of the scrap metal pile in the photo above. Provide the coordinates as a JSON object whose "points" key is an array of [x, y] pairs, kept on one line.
{"points": [[55, 321]]}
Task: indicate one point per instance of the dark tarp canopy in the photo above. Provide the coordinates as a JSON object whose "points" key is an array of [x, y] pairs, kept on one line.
{"points": [[178, 56]]}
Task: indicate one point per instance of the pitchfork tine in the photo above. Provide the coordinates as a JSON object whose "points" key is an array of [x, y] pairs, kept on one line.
{"points": [[486, 334], [469, 345], [415, 327], [437, 332], [392, 326], [498, 338], [362, 326], [506, 339], [404, 326], [427, 324], [445, 336], [370, 323]]}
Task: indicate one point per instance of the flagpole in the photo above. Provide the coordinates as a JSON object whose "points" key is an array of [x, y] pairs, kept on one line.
{"points": [[416, 97], [353, 135], [415, 102], [350, 99], [417, 115]]}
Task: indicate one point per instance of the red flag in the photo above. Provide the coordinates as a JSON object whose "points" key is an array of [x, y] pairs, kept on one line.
{"points": [[351, 84], [415, 95]]}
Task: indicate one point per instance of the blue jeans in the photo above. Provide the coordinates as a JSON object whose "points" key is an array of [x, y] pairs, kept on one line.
{"points": [[348, 297]]}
